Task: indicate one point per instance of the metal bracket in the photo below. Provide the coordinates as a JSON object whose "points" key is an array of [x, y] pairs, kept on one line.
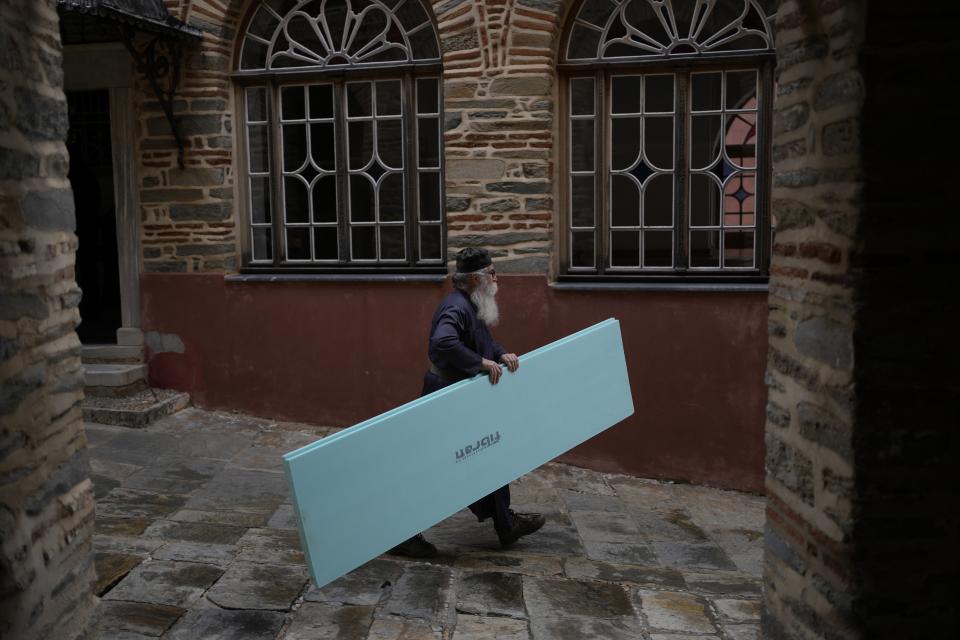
{"points": [[159, 61]]}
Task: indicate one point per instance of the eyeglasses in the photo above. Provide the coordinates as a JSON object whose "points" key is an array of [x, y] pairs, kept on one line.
{"points": [[492, 273]]}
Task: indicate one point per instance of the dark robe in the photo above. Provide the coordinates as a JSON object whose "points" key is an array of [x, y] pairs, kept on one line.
{"points": [[458, 342]]}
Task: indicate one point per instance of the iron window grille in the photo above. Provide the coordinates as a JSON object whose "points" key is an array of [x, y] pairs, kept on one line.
{"points": [[341, 137], [666, 109]]}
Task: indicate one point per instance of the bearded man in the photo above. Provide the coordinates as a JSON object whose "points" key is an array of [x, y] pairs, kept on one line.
{"points": [[461, 347]]}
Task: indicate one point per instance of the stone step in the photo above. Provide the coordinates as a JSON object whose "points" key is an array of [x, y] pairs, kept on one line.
{"points": [[137, 410], [114, 379], [111, 354]]}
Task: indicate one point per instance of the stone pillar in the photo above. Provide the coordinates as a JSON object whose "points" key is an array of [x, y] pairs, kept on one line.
{"points": [[863, 389], [46, 498]]}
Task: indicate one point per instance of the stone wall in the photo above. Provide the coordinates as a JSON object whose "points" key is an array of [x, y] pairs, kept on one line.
{"points": [[862, 385], [498, 60], [46, 498]]}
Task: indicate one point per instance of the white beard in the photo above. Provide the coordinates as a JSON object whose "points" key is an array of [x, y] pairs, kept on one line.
{"points": [[485, 298]]}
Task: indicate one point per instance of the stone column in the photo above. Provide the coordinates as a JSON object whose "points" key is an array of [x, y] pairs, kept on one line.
{"points": [[46, 498], [863, 391]]}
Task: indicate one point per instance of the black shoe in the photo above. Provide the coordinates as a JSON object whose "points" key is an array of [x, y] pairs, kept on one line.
{"points": [[523, 524], [415, 547]]}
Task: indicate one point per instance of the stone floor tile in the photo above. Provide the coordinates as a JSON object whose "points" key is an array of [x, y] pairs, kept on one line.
{"points": [[570, 478], [103, 485], [111, 567], [100, 434], [259, 457], [114, 526], [742, 631], [670, 525], [147, 480], [185, 466], [722, 584], [491, 593], [285, 440], [365, 585], [744, 547], [423, 591], [606, 526], [247, 585], [215, 624], [283, 518], [558, 537], [403, 630], [623, 628], [738, 609], [576, 501], [470, 627], [223, 516], [124, 544], [581, 568], [165, 582], [218, 446], [271, 546], [693, 556], [135, 617], [507, 562], [674, 611], [136, 446], [216, 554], [122, 635], [563, 598], [192, 420], [241, 490], [194, 532], [719, 509], [112, 469], [623, 553], [314, 621], [681, 636], [128, 503]]}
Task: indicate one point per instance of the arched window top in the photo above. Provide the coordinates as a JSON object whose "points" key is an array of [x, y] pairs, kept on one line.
{"points": [[633, 30], [337, 34]]}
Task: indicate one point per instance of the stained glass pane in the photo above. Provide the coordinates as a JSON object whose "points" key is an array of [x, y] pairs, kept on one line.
{"points": [[390, 143], [741, 89], [363, 243], [262, 245], [704, 248], [625, 249], [321, 101], [424, 44], [292, 103], [391, 243], [658, 248], [325, 243], [625, 143], [323, 145], [705, 134], [704, 201], [298, 243], [658, 201], [361, 199], [360, 143], [430, 197], [659, 141], [659, 94], [581, 249], [581, 201], [624, 202], [626, 94], [428, 96], [581, 97], [705, 90], [259, 148], [581, 145], [325, 199], [596, 12], [430, 242], [295, 200], [359, 95], [741, 139], [260, 200], [738, 249], [254, 55], [388, 98], [584, 43], [428, 136], [294, 146], [256, 104], [391, 198]]}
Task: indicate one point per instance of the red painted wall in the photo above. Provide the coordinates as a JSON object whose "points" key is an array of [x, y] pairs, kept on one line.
{"points": [[336, 353]]}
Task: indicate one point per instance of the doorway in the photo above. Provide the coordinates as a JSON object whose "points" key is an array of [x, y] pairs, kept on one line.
{"points": [[92, 179]]}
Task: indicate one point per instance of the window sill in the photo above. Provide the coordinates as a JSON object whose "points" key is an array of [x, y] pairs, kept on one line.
{"points": [[705, 287], [335, 277]]}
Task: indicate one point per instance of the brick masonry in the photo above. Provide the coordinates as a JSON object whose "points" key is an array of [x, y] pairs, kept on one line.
{"points": [[46, 499], [499, 86], [863, 390]]}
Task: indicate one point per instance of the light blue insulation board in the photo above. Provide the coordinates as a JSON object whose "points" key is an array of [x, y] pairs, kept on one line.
{"points": [[361, 491]]}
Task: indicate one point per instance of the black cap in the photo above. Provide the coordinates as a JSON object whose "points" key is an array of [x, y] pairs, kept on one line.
{"points": [[472, 259]]}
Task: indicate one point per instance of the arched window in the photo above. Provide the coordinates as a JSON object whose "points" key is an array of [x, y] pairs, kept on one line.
{"points": [[667, 106], [341, 136]]}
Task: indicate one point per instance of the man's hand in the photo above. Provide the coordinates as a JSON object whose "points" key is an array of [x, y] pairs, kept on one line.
{"points": [[492, 369], [511, 360]]}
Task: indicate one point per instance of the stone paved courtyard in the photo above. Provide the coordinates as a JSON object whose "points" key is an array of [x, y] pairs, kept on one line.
{"points": [[195, 538]]}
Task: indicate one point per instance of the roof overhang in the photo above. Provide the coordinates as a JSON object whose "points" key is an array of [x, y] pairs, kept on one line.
{"points": [[148, 16]]}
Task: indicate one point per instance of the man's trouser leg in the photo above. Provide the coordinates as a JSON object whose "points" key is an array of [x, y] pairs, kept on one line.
{"points": [[496, 506]]}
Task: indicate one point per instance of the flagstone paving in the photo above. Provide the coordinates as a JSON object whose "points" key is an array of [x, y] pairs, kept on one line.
{"points": [[196, 539]]}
